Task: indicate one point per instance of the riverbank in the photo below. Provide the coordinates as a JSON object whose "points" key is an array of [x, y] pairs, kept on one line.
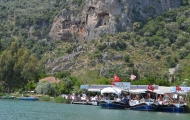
{"points": [[47, 98]]}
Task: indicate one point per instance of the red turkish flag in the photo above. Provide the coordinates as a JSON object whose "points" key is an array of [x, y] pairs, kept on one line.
{"points": [[150, 87], [116, 78], [178, 88]]}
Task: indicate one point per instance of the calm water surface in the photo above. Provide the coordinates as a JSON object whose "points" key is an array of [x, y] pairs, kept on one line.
{"points": [[36, 110]]}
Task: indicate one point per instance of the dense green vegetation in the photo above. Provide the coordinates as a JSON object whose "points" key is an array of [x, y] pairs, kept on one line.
{"points": [[18, 67], [29, 22], [67, 85], [45, 98]]}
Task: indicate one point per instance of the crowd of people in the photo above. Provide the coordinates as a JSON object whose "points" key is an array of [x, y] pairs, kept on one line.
{"points": [[82, 97], [95, 98]]}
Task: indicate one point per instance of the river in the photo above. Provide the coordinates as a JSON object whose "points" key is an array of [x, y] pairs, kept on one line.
{"points": [[37, 110]]}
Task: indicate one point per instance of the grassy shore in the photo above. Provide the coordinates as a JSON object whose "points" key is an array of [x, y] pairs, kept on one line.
{"points": [[58, 99]]}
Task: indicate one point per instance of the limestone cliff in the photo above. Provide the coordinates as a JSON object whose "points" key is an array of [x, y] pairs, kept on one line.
{"points": [[105, 17]]}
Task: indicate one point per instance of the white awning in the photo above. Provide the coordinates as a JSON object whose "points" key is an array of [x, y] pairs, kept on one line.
{"points": [[94, 90], [115, 90], [138, 91]]}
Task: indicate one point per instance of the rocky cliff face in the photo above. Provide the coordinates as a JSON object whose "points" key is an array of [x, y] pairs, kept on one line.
{"points": [[105, 17]]}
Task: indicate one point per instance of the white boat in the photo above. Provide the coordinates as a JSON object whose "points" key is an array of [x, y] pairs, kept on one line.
{"points": [[95, 100], [144, 100], [173, 102], [95, 103], [28, 98], [112, 98]]}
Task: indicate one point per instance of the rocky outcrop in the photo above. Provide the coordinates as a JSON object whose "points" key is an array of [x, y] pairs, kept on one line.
{"points": [[50, 79], [105, 17]]}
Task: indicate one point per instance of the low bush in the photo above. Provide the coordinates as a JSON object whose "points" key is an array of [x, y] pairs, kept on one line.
{"points": [[45, 98], [60, 99]]}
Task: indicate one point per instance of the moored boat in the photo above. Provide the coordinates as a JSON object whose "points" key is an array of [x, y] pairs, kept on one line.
{"points": [[110, 104], [144, 100], [95, 101], [28, 98], [112, 98], [173, 102], [7, 97]]}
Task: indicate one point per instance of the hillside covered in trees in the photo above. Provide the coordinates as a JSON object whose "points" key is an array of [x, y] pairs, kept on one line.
{"points": [[156, 51]]}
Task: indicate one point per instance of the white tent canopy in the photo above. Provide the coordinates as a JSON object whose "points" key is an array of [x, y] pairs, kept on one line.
{"points": [[115, 90]]}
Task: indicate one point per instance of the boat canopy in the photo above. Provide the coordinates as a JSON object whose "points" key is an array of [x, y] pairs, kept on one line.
{"points": [[159, 92], [138, 91], [115, 90], [180, 93], [144, 91]]}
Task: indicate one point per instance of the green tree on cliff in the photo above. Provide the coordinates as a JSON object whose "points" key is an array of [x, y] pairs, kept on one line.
{"points": [[17, 67]]}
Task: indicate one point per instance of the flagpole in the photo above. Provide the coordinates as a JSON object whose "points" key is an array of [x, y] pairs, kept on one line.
{"points": [[138, 78]]}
